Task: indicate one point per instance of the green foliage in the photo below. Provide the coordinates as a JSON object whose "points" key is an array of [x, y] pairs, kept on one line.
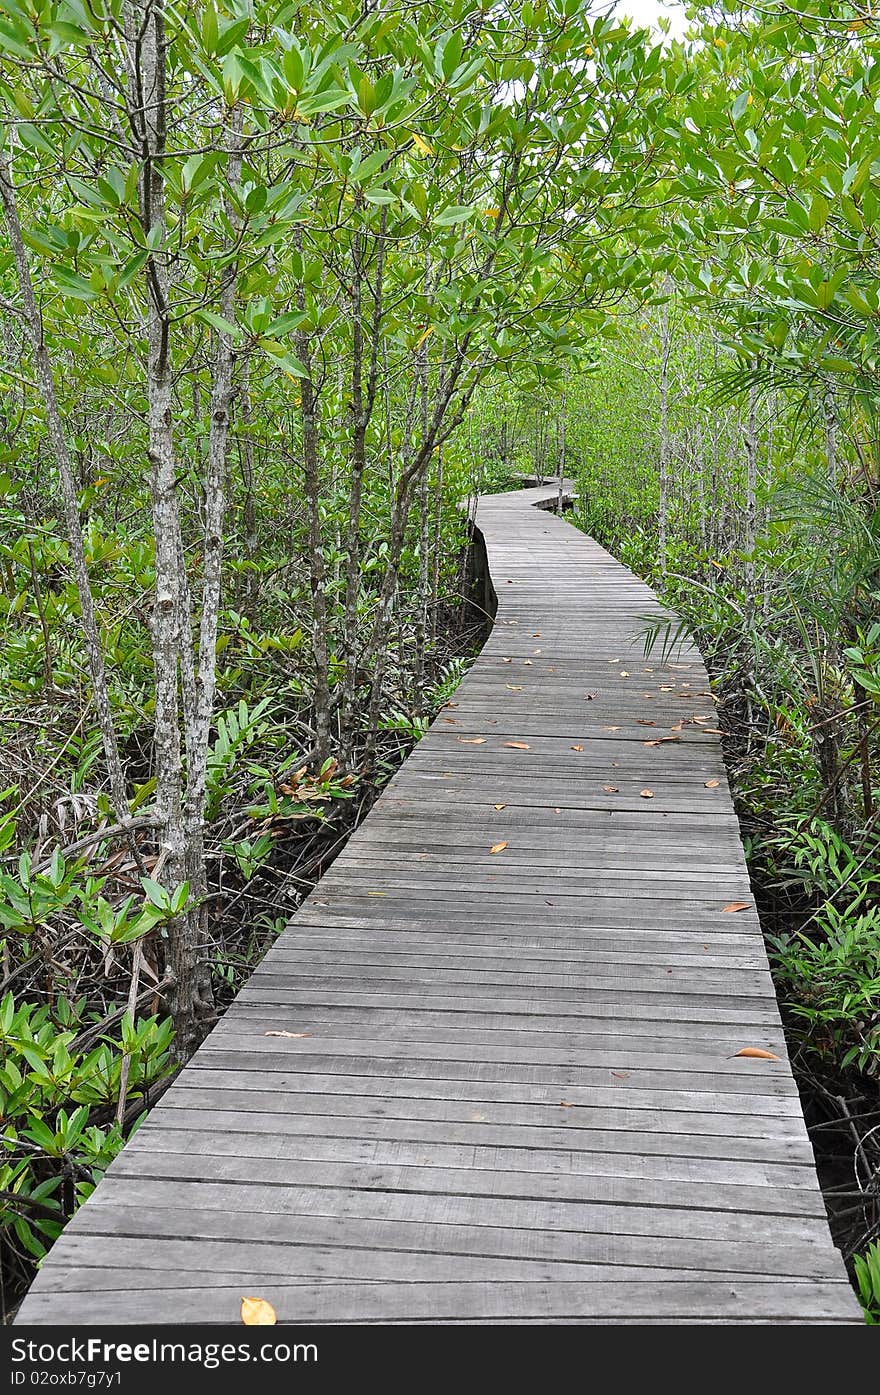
{"points": [[60, 1078], [867, 1267]]}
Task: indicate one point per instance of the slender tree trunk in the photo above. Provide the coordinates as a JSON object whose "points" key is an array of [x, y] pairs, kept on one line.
{"points": [[249, 590], [60, 451], [663, 514], [317, 562], [172, 640], [750, 444], [205, 677]]}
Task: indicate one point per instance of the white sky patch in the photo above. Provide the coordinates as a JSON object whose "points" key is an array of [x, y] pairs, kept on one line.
{"points": [[648, 11]]}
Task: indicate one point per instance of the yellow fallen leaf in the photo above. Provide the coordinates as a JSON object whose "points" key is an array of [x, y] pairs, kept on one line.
{"points": [[376, 893], [498, 847], [738, 906], [577, 748], [256, 1312], [499, 807], [757, 1053]]}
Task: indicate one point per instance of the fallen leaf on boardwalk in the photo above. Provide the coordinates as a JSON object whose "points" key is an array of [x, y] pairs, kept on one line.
{"points": [[536, 634], [498, 847], [611, 789], [256, 1312], [537, 651], [621, 1074], [714, 731], [566, 1104], [453, 720], [507, 661], [376, 893], [757, 1053], [577, 748], [588, 697], [527, 662], [519, 745], [500, 806], [514, 687], [611, 728], [450, 704], [557, 811], [650, 743], [646, 794], [624, 673], [738, 906], [287, 1034], [471, 740], [645, 722], [712, 784], [666, 687]]}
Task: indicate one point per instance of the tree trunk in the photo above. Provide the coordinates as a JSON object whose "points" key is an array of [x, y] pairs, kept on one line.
{"points": [[58, 441]]}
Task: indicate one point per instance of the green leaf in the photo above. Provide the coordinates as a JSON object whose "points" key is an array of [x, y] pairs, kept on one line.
{"points": [[217, 322]]}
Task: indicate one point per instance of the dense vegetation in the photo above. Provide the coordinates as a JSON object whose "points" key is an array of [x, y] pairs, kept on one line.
{"points": [[281, 284]]}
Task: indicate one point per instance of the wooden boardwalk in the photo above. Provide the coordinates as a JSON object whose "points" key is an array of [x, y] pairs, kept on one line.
{"points": [[489, 1073]]}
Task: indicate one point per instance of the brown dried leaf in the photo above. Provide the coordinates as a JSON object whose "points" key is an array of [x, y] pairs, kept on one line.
{"points": [[712, 784], [519, 745], [621, 1074], [646, 794], [645, 722], [287, 1034], [738, 906], [498, 847], [256, 1312], [611, 789], [757, 1053], [471, 740], [577, 748]]}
